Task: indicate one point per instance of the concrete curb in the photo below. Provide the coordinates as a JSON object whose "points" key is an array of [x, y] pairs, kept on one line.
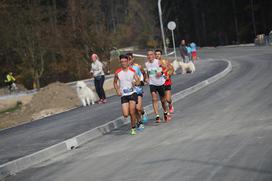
{"points": [[15, 166]]}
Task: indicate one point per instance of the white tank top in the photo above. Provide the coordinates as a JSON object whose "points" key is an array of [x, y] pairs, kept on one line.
{"points": [[152, 69], [126, 79]]}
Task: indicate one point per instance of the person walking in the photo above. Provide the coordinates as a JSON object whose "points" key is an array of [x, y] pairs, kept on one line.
{"points": [[156, 81], [99, 78], [183, 52], [125, 80], [189, 51]]}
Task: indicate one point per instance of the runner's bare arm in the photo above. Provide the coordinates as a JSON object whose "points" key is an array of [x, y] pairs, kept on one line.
{"points": [[161, 65], [137, 79], [146, 77], [170, 68], [143, 72], [116, 86]]}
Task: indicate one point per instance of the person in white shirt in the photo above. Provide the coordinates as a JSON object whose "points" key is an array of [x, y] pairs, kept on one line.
{"points": [[140, 113], [125, 79], [156, 80], [99, 78]]}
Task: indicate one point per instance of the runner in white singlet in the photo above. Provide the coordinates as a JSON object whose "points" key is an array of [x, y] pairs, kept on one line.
{"points": [[156, 80], [140, 113], [125, 80]]}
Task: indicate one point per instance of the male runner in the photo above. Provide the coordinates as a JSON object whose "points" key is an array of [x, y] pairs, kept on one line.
{"points": [[124, 83], [156, 82], [140, 114], [168, 70]]}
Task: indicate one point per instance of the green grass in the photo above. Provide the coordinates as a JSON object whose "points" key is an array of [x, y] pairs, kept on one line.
{"points": [[12, 109]]}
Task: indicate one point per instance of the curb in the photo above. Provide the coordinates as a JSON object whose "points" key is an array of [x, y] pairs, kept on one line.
{"points": [[15, 166]]}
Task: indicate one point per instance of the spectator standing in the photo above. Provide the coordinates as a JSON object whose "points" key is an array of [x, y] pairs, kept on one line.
{"points": [[193, 49], [189, 51], [99, 78], [183, 51]]}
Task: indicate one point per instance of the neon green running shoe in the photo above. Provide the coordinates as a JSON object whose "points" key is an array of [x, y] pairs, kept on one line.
{"points": [[133, 131]]}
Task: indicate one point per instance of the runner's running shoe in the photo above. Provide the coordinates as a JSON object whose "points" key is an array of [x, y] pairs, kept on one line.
{"points": [[171, 108], [145, 118], [167, 117], [158, 120], [133, 131], [140, 127]]}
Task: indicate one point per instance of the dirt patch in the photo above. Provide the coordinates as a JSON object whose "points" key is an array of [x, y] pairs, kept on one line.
{"points": [[52, 99], [11, 102], [55, 95]]}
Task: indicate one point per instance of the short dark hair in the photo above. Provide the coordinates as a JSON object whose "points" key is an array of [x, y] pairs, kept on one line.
{"points": [[123, 56], [158, 50], [129, 54]]}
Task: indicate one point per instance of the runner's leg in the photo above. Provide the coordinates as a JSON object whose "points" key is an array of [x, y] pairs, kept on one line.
{"points": [[163, 103], [155, 102], [167, 116], [139, 107], [139, 110], [132, 108], [125, 109], [168, 95], [161, 91]]}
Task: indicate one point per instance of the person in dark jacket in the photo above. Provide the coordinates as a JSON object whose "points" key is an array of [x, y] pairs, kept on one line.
{"points": [[183, 51]]}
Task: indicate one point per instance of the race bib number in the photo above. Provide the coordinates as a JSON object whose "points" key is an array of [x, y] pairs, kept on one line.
{"points": [[153, 72], [127, 90]]}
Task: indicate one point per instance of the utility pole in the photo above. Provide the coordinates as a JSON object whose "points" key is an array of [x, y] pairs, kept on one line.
{"points": [[162, 31]]}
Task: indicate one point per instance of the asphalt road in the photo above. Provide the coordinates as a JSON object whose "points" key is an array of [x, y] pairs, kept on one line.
{"points": [[29, 138], [222, 132]]}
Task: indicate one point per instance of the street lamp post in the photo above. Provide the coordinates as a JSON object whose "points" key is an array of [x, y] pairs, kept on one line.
{"points": [[162, 31]]}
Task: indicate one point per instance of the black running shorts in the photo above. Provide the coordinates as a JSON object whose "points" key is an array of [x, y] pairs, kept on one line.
{"points": [[160, 89], [167, 87], [132, 97]]}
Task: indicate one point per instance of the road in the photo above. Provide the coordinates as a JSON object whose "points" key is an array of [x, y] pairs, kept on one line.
{"points": [[29, 138], [222, 132]]}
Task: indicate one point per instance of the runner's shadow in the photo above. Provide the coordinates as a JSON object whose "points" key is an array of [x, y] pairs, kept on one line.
{"points": [[152, 123], [124, 130]]}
